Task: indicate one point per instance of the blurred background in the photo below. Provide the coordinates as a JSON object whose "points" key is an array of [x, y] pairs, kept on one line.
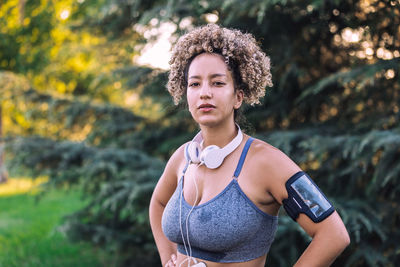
{"points": [[86, 123]]}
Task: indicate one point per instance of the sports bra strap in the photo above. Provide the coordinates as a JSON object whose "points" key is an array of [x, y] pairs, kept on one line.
{"points": [[240, 163], [243, 157], [187, 159]]}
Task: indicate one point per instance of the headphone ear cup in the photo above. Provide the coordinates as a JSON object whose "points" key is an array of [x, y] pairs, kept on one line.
{"points": [[194, 152], [211, 157]]}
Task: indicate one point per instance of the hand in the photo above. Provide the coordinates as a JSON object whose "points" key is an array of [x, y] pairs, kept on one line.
{"points": [[171, 262]]}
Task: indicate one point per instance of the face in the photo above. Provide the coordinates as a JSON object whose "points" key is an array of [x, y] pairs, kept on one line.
{"points": [[211, 95]]}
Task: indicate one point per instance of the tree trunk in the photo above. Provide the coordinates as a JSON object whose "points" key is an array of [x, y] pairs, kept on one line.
{"points": [[21, 9], [3, 170]]}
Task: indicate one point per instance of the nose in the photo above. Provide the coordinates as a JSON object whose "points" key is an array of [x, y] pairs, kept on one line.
{"points": [[205, 92]]}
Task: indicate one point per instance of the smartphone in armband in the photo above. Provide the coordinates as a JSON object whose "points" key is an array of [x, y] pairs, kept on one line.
{"points": [[304, 196]]}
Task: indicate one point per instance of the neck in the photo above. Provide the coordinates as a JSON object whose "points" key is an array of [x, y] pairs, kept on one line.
{"points": [[219, 135]]}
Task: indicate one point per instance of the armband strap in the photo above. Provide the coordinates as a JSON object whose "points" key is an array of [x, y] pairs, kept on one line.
{"points": [[304, 196]]}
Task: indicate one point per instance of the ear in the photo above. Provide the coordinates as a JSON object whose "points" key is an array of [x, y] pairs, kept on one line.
{"points": [[239, 94]]}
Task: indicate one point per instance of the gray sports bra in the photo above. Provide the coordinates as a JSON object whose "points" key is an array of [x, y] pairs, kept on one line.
{"points": [[227, 228]]}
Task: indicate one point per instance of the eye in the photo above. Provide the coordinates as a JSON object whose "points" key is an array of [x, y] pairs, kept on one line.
{"points": [[219, 84], [194, 84]]}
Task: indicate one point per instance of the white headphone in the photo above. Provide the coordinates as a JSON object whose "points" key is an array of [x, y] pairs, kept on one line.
{"points": [[211, 156]]}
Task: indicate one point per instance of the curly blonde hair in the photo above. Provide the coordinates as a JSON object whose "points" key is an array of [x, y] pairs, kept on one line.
{"points": [[248, 63]]}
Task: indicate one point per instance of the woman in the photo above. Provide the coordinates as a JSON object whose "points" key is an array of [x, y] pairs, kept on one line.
{"points": [[216, 204]]}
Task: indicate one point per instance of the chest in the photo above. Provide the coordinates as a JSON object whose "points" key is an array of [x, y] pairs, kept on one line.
{"points": [[223, 223], [201, 185]]}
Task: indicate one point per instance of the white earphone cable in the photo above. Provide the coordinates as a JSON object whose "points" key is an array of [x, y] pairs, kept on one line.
{"points": [[187, 218], [189, 253], [180, 216]]}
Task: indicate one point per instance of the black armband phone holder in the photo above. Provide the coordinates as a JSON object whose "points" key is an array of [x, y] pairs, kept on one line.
{"points": [[304, 196]]}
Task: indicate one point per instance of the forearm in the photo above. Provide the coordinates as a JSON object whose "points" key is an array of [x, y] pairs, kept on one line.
{"points": [[165, 247], [323, 250]]}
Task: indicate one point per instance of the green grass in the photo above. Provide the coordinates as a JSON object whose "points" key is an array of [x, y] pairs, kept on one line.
{"points": [[29, 235]]}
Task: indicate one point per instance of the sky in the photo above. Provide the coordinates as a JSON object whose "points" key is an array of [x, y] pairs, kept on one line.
{"points": [[156, 53]]}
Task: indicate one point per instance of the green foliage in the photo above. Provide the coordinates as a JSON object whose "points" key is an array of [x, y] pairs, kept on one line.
{"points": [[361, 75], [118, 181], [25, 35], [105, 124], [360, 174], [334, 109]]}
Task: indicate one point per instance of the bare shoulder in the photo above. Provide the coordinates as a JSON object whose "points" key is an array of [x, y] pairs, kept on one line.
{"points": [[176, 162], [272, 167], [168, 181], [271, 159]]}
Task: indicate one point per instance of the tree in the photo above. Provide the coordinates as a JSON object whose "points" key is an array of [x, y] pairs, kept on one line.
{"points": [[334, 109], [3, 170]]}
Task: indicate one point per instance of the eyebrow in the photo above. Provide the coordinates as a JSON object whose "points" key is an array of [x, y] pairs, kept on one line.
{"points": [[212, 76]]}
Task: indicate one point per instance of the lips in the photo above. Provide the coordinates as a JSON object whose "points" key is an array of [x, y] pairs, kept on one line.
{"points": [[206, 106]]}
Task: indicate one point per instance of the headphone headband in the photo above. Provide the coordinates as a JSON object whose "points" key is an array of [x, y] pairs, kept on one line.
{"points": [[212, 156]]}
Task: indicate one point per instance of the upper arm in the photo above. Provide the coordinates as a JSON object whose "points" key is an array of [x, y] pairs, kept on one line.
{"points": [[280, 168]]}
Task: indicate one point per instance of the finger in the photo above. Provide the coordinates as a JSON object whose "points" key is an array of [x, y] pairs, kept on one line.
{"points": [[173, 258]]}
